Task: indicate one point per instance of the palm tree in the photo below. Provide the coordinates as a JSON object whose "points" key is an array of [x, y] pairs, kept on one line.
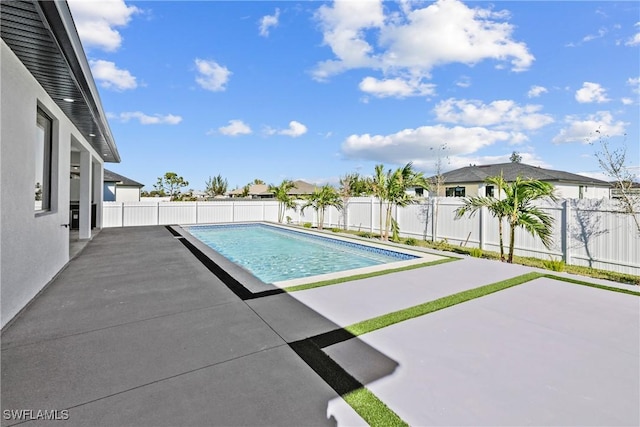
{"points": [[496, 206], [285, 200], [397, 184], [321, 199], [379, 187], [216, 186], [518, 208], [352, 185]]}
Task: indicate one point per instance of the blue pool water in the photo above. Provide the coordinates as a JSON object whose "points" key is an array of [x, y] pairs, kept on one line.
{"points": [[274, 254]]}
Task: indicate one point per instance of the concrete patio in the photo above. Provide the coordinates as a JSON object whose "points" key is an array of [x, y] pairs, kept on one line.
{"points": [[137, 331]]}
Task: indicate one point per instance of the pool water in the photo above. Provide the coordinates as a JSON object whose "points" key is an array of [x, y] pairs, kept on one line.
{"points": [[275, 254]]}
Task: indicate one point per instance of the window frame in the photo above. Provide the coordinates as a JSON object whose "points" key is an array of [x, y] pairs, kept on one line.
{"points": [[44, 123]]}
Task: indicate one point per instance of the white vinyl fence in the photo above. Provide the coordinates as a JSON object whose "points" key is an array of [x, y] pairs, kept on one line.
{"points": [[586, 232]]}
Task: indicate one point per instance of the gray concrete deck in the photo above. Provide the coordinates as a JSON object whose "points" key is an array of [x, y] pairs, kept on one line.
{"points": [[137, 331]]}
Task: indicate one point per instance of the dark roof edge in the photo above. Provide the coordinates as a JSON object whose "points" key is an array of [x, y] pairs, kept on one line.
{"points": [[57, 15]]}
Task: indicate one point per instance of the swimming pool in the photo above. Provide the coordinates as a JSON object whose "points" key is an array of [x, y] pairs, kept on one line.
{"points": [[279, 255]]}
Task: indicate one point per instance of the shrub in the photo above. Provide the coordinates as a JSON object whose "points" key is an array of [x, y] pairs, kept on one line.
{"points": [[336, 230], [554, 264], [307, 225], [442, 245], [475, 252], [411, 241], [288, 220], [365, 234]]}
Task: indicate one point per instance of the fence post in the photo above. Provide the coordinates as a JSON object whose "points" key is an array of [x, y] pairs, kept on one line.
{"points": [[565, 232], [481, 231], [233, 211], [434, 220], [371, 218], [122, 218]]}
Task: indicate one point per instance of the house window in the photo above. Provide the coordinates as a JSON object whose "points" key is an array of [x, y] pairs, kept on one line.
{"points": [[581, 192], [489, 191], [455, 191], [419, 192], [42, 182]]}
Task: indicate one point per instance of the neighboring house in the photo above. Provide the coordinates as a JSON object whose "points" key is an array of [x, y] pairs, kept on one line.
{"points": [[261, 191], [50, 117], [118, 188], [470, 181], [256, 191], [631, 188]]}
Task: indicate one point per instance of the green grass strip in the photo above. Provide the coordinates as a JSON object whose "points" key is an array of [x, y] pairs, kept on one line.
{"points": [[372, 409], [429, 307], [591, 285], [388, 319], [365, 275]]}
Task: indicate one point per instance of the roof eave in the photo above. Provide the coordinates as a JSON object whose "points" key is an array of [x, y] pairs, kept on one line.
{"points": [[57, 16]]}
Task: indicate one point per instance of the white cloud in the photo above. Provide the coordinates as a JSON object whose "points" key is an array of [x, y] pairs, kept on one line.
{"points": [[464, 81], [635, 39], [268, 21], [536, 91], [591, 92], [235, 128], [212, 76], [96, 21], [412, 41], [501, 114], [294, 130], [634, 82], [112, 77], [396, 87], [422, 144], [601, 33], [144, 119], [595, 175], [583, 130], [626, 101]]}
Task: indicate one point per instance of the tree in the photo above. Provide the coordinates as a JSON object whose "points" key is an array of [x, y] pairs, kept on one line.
{"points": [[353, 185], [613, 162], [257, 181], [515, 157], [216, 186], [518, 208], [496, 206], [285, 200], [171, 184], [437, 182], [398, 182], [391, 189], [380, 190], [321, 199]]}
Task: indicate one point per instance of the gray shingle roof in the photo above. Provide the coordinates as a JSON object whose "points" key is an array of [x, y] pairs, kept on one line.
{"points": [[122, 180], [511, 170]]}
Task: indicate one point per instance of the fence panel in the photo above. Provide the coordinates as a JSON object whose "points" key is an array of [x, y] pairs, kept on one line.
{"points": [[248, 211], [360, 213], [177, 213], [111, 214], [139, 213], [586, 232], [215, 212]]}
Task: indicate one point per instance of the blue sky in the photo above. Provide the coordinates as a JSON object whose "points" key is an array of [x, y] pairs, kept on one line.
{"points": [[314, 90]]}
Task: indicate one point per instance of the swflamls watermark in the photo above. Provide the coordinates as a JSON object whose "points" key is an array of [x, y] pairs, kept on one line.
{"points": [[35, 414]]}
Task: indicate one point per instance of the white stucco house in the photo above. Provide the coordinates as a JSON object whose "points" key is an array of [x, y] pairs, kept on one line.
{"points": [[470, 181], [119, 188], [51, 115]]}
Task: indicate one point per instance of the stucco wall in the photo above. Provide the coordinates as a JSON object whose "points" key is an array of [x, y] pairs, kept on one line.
{"points": [[589, 192], [33, 247], [127, 194]]}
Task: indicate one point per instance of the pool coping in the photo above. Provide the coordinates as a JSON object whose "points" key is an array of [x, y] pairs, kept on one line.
{"points": [[254, 285]]}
